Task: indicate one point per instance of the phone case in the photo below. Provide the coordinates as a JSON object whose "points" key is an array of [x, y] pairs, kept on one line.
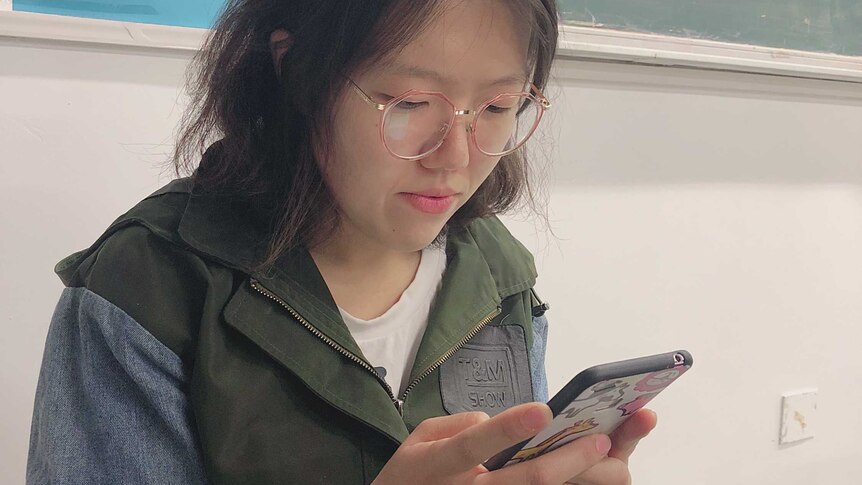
{"points": [[598, 400]]}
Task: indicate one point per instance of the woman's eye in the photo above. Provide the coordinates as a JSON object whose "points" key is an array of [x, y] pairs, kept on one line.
{"points": [[410, 105], [498, 109]]}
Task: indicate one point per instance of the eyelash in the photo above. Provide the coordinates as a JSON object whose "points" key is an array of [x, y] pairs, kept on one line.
{"points": [[412, 105], [501, 109]]}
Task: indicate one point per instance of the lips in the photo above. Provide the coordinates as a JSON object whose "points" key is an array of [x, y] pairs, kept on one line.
{"points": [[434, 193], [430, 201]]}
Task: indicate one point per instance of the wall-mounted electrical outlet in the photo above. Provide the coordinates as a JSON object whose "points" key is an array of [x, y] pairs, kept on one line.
{"points": [[798, 410]]}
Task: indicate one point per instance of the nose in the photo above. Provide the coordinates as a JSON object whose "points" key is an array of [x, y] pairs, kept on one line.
{"points": [[454, 152]]}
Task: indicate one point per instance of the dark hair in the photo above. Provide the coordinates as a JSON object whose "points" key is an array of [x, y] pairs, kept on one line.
{"points": [[266, 124]]}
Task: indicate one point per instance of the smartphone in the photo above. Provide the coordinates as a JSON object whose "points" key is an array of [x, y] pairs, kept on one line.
{"points": [[598, 400]]}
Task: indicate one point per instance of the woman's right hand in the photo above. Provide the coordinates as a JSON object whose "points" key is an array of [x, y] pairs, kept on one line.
{"points": [[451, 450]]}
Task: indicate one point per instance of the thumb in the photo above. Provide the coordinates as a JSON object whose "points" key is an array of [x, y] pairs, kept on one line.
{"points": [[443, 427]]}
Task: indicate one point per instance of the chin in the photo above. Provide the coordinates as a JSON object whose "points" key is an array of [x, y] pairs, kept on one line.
{"points": [[417, 240]]}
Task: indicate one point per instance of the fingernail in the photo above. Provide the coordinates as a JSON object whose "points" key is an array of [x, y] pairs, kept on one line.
{"points": [[603, 444], [534, 419]]}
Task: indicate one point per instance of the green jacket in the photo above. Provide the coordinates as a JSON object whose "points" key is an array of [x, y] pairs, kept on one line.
{"points": [[268, 382]]}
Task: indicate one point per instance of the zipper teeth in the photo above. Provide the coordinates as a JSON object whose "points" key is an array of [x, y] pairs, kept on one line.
{"points": [[317, 333], [451, 352]]}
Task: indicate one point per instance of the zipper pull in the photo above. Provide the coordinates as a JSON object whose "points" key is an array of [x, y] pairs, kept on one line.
{"points": [[399, 405]]}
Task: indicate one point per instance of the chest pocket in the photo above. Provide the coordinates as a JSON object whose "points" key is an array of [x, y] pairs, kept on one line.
{"points": [[490, 373]]}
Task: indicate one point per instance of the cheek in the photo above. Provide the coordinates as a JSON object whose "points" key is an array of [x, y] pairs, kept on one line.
{"points": [[352, 151], [481, 167], [360, 173], [358, 141]]}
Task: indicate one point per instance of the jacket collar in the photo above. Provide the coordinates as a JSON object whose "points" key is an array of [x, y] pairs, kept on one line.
{"points": [[485, 264], [219, 227]]}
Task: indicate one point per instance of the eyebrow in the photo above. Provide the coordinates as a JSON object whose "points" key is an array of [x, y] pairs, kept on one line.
{"points": [[415, 71]]}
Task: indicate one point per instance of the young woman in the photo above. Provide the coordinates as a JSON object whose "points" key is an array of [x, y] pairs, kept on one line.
{"points": [[328, 298]]}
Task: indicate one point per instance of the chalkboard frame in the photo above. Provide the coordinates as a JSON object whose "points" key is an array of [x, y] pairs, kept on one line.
{"points": [[83, 32], [661, 50], [575, 42]]}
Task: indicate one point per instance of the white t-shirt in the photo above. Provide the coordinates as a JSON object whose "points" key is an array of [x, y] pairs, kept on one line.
{"points": [[391, 340]]}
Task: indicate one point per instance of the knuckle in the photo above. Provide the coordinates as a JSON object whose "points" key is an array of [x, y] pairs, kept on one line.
{"points": [[513, 432], [479, 417], [583, 451], [537, 476], [424, 425], [429, 424], [466, 449]]}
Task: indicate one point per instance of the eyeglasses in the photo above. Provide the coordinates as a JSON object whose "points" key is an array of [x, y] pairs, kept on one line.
{"points": [[415, 123]]}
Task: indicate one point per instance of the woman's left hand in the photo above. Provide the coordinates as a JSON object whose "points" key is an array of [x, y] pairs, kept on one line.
{"points": [[614, 470]]}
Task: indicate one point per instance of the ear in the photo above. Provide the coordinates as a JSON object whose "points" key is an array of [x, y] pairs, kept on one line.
{"points": [[279, 42]]}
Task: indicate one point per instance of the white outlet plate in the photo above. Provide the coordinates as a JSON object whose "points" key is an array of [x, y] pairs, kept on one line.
{"points": [[798, 415]]}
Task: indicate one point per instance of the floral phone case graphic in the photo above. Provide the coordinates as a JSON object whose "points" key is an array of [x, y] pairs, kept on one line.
{"points": [[598, 400]]}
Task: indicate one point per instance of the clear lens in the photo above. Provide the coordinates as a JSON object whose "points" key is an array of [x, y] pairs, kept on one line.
{"points": [[506, 123], [415, 125]]}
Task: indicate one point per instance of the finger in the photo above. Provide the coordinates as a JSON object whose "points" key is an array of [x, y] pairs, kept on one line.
{"points": [[438, 428], [475, 445], [609, 471], [570, 460], [626, 438]]}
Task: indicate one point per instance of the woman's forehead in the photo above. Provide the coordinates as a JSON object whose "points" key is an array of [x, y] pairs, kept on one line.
{"points": [[515, 75], [470, 42]]}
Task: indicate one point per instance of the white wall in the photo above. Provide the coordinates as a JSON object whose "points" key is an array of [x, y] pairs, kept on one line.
{"points": [[721, 213], [82, 135], [712, 211]]}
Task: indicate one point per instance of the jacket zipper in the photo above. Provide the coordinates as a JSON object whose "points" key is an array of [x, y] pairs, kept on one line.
{"points": [[397, 402], [317, 333], [450, 353]]}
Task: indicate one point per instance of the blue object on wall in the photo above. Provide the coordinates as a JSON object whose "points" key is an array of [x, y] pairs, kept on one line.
{"points": [[182, 13]]}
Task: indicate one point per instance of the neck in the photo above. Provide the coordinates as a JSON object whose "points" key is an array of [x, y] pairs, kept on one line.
{"points": [[365, 279]]}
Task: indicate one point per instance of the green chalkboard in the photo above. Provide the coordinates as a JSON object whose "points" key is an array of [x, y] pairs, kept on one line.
{"points": [[833, 26]]}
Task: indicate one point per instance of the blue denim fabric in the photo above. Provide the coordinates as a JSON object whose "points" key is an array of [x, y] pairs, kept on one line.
{"points": [[111, 403], [537, 359]]}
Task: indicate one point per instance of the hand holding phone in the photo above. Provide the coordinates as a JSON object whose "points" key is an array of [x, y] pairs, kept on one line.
{"points": [[598, 400], [450, 448]]}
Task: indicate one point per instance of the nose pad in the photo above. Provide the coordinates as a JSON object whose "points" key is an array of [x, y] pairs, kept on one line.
{"points": [[453, 152], [445, 127]]}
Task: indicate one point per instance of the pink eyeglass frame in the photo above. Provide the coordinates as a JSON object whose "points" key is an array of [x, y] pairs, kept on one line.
{"points": [[538, 97]]}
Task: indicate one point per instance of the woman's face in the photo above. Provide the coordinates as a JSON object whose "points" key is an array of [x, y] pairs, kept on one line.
{"points": [[383, 200]]}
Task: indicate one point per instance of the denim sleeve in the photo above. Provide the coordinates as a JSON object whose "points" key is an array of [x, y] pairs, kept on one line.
{"points": [[111, 402], [537, 359]]}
